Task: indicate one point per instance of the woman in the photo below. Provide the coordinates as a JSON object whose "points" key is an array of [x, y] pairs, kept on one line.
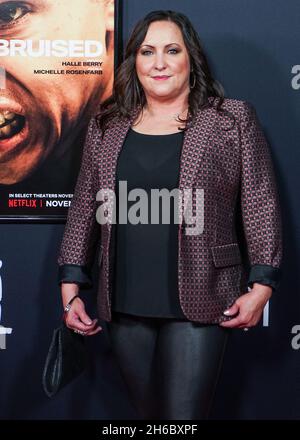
{"points": [[171, 291]]}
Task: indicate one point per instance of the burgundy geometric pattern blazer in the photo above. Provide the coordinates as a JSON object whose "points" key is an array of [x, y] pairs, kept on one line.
{"points": [[242, 238]]}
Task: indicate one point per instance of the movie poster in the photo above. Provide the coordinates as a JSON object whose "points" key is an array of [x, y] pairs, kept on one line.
{"points": [[57, 61]]}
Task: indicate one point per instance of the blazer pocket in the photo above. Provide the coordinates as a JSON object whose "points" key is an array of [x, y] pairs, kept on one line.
{"points": [[100, 256], [226, 255]]}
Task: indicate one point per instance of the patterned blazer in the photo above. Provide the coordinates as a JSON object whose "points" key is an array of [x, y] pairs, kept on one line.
{"points": [[241, 240]]}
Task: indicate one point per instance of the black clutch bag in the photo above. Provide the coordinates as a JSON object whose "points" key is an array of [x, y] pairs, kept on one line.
{"points": [[66, 359]]}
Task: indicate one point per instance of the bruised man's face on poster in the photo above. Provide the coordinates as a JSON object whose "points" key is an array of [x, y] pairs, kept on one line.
{"points": [[44, 114]]}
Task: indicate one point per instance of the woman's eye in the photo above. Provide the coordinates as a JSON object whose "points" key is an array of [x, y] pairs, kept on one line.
{"points": [[146, 52], [11, 12], [172, 51]]}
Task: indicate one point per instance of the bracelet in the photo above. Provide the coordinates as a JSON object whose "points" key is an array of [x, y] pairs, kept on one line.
{"points": [[68, 306]]}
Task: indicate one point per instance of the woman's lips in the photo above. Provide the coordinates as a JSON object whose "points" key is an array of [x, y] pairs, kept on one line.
{"points": [[160, 78]]}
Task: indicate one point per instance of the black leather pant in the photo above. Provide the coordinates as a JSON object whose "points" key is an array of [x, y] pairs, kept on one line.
{"points": [[170, 366]]}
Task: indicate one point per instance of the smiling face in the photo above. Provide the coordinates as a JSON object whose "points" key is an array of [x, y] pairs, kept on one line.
{"points": [[162, 62], [45, 113]]}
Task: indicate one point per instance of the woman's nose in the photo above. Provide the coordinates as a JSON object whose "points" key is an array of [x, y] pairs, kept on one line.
{"points": [[160, 62]]}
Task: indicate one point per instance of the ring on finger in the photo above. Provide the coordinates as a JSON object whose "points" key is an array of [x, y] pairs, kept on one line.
{"points": [[246, 329], [80, 332]]}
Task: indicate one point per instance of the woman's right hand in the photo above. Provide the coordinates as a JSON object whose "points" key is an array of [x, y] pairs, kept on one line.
{"points": [[77, 318]]}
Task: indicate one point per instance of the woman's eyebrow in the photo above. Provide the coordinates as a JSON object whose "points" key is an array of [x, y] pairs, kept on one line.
{"points": [[167, 45]]}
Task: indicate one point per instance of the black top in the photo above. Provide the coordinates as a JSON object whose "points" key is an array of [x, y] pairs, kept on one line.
{"points": [[146, 263]]}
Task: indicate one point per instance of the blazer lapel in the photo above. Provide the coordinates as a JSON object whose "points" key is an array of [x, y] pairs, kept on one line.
{"points": [[195, 140], [112, 147]]}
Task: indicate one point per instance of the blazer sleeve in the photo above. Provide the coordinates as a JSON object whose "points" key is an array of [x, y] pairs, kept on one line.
{"points": [[261, 214], [79, 241]]}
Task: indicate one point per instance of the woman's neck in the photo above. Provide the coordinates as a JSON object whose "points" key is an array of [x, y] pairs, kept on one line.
{"points": [[166, 109], [161, 118]]}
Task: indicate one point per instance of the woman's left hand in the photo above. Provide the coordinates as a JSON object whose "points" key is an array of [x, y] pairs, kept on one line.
{"points": [[248, 307]]}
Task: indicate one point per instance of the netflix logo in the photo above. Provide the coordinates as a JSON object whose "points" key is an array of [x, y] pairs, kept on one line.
{"points": [[24, 203]]}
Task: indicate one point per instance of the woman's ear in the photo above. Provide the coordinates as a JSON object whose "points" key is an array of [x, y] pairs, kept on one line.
{"points": [[109, 15]]}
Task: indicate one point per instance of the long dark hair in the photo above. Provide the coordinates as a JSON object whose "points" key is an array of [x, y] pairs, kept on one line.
{"points": [[128, 94]]}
